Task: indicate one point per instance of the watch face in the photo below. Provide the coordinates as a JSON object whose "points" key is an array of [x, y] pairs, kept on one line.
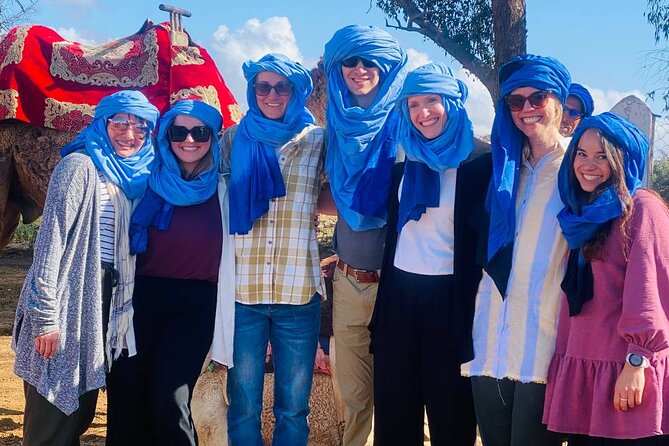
{"points": [[635, 360]]}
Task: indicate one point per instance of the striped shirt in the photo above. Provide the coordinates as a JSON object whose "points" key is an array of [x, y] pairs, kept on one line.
{"points": [[107, 222], [515, 337], [277, 262]]}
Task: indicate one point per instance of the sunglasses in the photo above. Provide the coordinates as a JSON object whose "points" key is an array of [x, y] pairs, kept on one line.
{"points": [[179, 133], [538, 99], [122, 125], [572, 113], [282, 88], [352, 62]]}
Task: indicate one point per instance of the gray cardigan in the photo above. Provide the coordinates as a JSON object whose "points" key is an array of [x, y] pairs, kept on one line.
{"points": [[62, 290]]}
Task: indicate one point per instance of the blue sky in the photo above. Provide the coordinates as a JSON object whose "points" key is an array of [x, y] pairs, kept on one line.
{"points": [[602, 42]]}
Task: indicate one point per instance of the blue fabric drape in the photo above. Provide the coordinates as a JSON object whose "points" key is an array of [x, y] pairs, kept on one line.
{"points": [[255, 174], [583, 95], [132, 173], [428, 158], [167, 187], [362, 142]]}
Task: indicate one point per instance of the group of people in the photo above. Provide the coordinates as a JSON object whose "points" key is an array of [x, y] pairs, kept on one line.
{"points": [[524, 291]]}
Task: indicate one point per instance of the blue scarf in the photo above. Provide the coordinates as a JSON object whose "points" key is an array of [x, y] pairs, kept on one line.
{"points": [[542, 73], [583, 95], [167, 187], [427, 158], [362, 142], [581, 222], [255, 176], [132, 173]]}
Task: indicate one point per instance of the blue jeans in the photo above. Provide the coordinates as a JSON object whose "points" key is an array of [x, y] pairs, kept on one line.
{"points": [[293, 332]]}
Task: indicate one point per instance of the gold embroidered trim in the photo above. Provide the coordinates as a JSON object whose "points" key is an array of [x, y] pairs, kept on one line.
{"points": [[9, 103], [235, 113], [59, 111], [186, 55], [206, 94], [109, 65], [15, 51]]}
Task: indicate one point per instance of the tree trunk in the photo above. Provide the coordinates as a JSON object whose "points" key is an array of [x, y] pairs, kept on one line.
{"points": [[510, 34]]}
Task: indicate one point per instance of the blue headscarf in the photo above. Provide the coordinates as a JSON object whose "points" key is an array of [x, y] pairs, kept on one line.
{"points": [[583, 95], [581, 222], [362, 142], [542, 73], [427, 158], [167, 187], [255, 176], [132, 173]]}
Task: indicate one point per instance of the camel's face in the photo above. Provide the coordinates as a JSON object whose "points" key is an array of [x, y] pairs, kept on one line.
{"points": [[273, 105], [127, 133], [190, 152], [362, 82]]}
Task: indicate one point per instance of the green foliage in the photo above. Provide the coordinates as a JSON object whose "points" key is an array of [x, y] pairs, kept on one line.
{"points": [[658, 16], [26, 234], [657, 61], [324, 233], [467, 22], [661, 178]]}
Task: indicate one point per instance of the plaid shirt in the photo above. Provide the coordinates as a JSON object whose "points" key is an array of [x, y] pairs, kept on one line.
{"points": [[277, 262]]}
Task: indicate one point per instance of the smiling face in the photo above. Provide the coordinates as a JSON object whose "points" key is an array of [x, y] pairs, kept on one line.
{"points": [[537, 122], [126, 142], [427, 114], [569, 123], [362, 83], [591, 165], [188, 152], [273, 106]]}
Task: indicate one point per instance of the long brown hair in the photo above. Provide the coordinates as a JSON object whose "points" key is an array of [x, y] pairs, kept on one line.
{"points": [[615, 156]]}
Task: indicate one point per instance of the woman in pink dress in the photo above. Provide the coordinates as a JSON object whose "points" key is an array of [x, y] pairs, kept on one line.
{"points": [[608, 382]]}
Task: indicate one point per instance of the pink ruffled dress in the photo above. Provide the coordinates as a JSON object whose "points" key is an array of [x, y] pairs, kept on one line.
{"points": [[627, 314]]}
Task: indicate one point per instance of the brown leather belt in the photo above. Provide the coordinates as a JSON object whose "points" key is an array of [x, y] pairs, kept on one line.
{"points": [[361, 275]]}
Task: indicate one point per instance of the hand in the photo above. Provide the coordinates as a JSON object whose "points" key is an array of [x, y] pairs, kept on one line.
{"points": [[322, 362], [629, 387], [47, 344]]}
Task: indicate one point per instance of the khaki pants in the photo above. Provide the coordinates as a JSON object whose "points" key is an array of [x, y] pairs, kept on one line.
{"points": [[353, 304]]}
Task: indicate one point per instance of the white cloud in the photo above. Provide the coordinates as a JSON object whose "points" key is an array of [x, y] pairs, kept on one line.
{"points": [[252, 41], [416, 58], [606, 99], [73, 35], [479, 104]]}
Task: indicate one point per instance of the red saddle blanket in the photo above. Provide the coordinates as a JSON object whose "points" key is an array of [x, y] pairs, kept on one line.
{"points": [[51, 82]]}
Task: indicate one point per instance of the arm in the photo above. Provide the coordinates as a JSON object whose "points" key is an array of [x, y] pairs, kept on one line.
{"points": [[643, 322]]}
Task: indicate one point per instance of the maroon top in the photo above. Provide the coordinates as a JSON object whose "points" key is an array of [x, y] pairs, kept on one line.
{"points": [[627, 314], [190, 248]]}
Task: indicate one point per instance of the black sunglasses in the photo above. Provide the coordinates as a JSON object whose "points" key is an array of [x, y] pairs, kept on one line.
{"points": [[572, 113], [538, 99], [282, 88], [179, 133], [352, 62]]}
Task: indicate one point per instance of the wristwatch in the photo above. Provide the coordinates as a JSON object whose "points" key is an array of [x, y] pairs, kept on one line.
{"points": [[637, 360]]}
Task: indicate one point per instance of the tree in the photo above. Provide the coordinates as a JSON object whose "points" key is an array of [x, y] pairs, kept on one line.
{"points": [[661, 178], [15, 12], [480, 34], [657, 61]]}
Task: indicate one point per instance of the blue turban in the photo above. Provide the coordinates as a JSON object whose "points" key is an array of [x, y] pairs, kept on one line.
{"points": [[542, 73], [132, 173], [427, 158], [582, 221], [362, 142], [255, 176], [583, 95], [167, 187]]}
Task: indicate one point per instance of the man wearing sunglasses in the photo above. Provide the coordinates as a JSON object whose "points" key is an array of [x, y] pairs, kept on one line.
{"points": [[276, 158], [579, 105], [365, 68]]}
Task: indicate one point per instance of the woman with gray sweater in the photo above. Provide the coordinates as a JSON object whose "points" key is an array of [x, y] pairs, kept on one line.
{"points": [[75, 310]]}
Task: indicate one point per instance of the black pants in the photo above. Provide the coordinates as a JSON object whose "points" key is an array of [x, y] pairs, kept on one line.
{"points": [[45, 425], [414, 367], [509, 413], [148, 398], [583, 440]]}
